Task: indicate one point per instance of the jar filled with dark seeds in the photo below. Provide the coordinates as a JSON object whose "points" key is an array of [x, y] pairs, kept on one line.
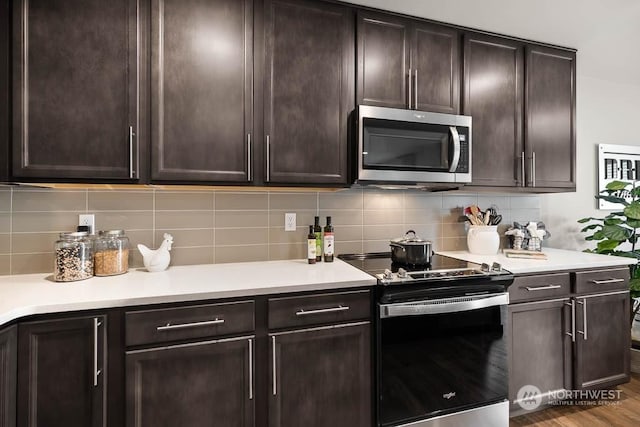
{"points": [[74, 257]]}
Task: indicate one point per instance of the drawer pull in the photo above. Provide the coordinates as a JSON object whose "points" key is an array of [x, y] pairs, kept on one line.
{"points": [[169, 326], [322, 310], [542, 288], [606, 282]]}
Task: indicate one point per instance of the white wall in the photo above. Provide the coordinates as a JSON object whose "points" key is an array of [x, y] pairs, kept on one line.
{"points": [[606, 34]]}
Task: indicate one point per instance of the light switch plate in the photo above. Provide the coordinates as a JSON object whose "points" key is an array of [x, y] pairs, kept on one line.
{"points": [[290, 222]]}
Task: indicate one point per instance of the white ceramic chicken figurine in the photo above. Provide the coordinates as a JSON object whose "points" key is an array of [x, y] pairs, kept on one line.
{"points": [[158, 259]]}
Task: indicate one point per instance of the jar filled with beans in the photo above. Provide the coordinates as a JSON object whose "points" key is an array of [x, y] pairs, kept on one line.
{"points": [[74, 257], [111, 253]]}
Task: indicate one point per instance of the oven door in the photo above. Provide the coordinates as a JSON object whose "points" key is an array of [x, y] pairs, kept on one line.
{"points": [[441, 356]]}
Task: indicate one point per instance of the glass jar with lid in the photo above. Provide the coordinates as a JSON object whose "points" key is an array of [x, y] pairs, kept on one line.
{"points": [[74, 257], [111, 253]]}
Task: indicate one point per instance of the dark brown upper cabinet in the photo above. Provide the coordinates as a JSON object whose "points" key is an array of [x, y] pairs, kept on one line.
{"points": [[405, 63], [308, 91], [5, 87], [201, 90], [76, 92], [493, 96], [550, 113]]}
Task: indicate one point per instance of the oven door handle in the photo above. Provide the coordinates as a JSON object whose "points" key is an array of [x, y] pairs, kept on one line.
{"points": [[456, 148], [441, 306]]}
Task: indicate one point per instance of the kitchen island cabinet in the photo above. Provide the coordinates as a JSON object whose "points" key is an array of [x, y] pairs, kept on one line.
{"points": [[8, 368], [62, 372]]}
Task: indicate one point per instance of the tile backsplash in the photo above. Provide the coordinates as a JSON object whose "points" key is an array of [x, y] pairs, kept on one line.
{"points": [[226, 226]]}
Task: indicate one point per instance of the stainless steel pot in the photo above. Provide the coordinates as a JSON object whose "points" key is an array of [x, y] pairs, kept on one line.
{"points": [[411, 249]]}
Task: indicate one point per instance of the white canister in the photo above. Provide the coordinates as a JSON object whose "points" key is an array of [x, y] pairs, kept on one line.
{"points": [[483, 239]]}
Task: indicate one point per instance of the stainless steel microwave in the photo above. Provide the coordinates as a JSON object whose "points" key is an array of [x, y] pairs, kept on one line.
{"points": [[408, 147]]}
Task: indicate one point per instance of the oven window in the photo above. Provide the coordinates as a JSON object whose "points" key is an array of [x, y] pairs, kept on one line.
{"points": [[394, 145], [436, 364]]}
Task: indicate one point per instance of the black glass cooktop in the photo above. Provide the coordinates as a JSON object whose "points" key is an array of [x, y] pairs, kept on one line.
{"points": [[377, 262]]}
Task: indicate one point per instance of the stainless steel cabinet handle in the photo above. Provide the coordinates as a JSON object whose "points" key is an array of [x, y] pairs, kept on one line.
{"points": [[273, 356], [606, 282], [523, 182], [132, 171], [415, 89], [268, 159], [249, 157], [572, 334], [455, 136], [322, 310], [533, 168], [250, 369], [583, 303], [169, 326], [96, 371], [542, 288], [410, 92]]}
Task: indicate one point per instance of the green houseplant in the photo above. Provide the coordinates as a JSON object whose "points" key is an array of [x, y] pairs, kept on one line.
{"points": [[618, 233]]}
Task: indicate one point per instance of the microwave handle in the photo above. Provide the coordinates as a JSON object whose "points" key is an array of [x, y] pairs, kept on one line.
{"points": [[456, 148]]}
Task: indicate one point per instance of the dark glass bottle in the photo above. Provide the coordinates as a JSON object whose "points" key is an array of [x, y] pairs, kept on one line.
{"points": [[311, 246], [317, 230], [329, 243]]}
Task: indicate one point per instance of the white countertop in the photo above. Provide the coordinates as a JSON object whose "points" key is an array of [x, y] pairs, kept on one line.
{"points": [[25, 295], [558, 259]]}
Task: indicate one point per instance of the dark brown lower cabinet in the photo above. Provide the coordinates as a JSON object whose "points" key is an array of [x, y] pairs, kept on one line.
{"points": [[540, 348], [603, 340], [196, 385], [321, 377], [62, 372], [8, 358]]}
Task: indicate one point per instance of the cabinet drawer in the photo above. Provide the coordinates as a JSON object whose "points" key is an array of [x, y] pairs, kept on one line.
{"points": [[540, 286], [198, 321], [602, 280], [316, 309]]}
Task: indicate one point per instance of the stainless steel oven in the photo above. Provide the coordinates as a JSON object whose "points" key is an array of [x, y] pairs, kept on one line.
{"points": [[412, 147]]}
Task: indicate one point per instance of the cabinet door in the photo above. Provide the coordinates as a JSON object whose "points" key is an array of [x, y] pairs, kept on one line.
{"points": [[435, 58], [383, 60], [550, 117], [603, 341], [321, 377], [493, 73], [540, 349], [62, 373], [309, 91], [8, 342], [202, 59], [75, 88], [193, 385]]}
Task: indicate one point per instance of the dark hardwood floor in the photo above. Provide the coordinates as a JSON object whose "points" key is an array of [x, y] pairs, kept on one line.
{"points": [[626, 413]]}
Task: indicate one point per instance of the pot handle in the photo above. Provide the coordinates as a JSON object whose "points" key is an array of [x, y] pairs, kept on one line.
{"points": [[410, 231], [395, 245]]}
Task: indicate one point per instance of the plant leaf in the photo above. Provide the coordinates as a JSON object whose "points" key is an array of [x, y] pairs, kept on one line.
{"points": [[590, 227], [598, 235], [633, 223], [607, 245], [613, 199], [633, 210], [616, 232], [612, 221], [617, 185]]}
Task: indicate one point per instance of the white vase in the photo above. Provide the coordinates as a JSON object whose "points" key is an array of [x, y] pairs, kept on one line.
{"points": [[483, 239]]}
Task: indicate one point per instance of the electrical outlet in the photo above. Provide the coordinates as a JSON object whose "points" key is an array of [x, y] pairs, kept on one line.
{"points": [[88, 219], [290, 222]]}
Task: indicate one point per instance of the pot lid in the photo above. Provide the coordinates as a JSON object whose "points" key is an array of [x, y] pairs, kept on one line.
{"points": [[410, 238]]}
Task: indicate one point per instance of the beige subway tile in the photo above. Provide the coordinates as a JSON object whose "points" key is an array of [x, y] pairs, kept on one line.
{"points": [[242, 236], [278, 235], [32, 263], [376, 200], [135, 259], [423, 201], [293, 201], [422, 216], [348, 247], [5, 265], [45, 222], [453, 230], [124, 220], [351, 199], [284, 251], [27, 243], [186, 238], [241, 201], [144, 237], [383, 217], [236, 219], [120, 201], [523, 202], [375, 246], [173, 220], [174, 201], [430, 232], [191, 256], [344, 217], [348, 232], [452, 215], [49, 201], [524, 215], [500, 203], [5, 243], [5, 222], [382, 232], [456, 201], [5, 200], [303, 218], [454, 244], [244, 253]]}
